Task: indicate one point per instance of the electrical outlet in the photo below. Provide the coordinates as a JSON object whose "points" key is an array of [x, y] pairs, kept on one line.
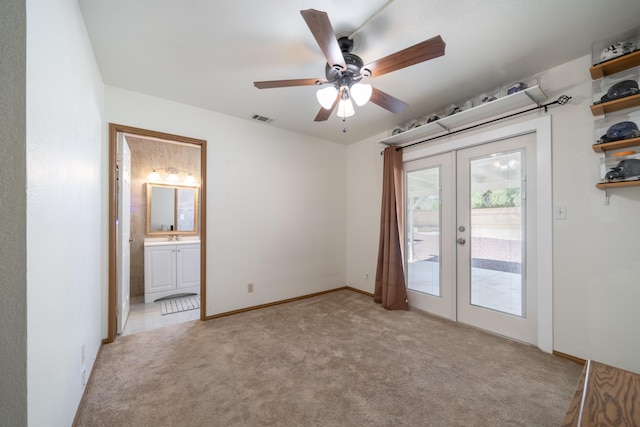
{"points": [[366, 276], [250, 287], [82, 353]]}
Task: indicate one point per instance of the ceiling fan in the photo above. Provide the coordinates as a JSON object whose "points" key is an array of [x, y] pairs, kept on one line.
{"points": [[346, 71]]}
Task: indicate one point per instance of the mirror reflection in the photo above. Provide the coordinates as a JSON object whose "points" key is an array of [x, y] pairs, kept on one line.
{"points": [[172, 209]]}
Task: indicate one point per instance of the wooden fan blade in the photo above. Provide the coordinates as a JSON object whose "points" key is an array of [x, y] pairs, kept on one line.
{"points": [[320, 26], [324, 114], [387, 101], [286, 83], [428, 49]]}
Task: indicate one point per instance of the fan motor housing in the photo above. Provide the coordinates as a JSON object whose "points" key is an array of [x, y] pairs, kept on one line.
{"points": [[354, 67]]}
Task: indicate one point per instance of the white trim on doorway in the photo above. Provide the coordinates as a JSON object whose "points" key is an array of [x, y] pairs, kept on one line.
{"points": [[541, 126]]}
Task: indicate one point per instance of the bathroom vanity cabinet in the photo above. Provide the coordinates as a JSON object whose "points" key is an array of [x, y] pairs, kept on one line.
{"points": [[171, 267]]}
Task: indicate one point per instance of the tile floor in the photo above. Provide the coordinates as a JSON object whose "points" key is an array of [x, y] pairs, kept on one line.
{"points": [[145, 317]]}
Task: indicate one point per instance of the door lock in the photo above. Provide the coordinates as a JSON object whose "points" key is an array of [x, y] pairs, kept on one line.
{"points": [[461, 241]]}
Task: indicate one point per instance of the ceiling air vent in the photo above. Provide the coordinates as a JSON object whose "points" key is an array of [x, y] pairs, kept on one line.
{"points": [[260, 118]]}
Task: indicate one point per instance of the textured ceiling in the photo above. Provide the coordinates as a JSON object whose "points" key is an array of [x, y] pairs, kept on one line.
{"points": [[208, 53]]}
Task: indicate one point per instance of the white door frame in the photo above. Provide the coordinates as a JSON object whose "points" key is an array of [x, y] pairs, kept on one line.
{"points": [[541, 126]]}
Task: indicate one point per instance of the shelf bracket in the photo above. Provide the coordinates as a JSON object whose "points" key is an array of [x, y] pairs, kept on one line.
{"points": [[443, 126]]}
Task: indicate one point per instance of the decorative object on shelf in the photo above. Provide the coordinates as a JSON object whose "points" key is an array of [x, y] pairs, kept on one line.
{"points": [[620, 167], [454, 110], [615, 65], [620, 131], [491, 95], [624, 153], [483, 98], [516, 87], [531, 96], [414, 124], [616, 97], [620, 90], [626, 169], [617, 49]]}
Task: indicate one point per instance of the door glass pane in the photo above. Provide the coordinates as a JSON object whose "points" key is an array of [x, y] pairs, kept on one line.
{"points": [[423, 231], [496, 232]]}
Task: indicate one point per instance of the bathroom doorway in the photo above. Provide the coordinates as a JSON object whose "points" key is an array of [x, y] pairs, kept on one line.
{"points": [[168, 161]]}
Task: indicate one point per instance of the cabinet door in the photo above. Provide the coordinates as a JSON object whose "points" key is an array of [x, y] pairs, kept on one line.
{"points": [[188, 266], [160, 269]]}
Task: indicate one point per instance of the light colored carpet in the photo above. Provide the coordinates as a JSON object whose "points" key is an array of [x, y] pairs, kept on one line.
{"points": [[176, 305], [334, 360]]}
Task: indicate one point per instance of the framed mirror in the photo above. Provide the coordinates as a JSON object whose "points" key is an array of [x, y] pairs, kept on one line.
{"points": [[171, 209]]}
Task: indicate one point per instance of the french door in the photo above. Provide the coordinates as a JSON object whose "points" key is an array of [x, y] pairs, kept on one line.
{"points": [[471, 236], [430, 257]]}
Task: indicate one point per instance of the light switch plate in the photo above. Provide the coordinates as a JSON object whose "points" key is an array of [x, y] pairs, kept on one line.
{"points": [[560, 212]]}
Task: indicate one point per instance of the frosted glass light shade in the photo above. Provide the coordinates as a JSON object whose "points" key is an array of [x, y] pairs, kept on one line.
{"points": [[190, 180], [345, 108], [327, 96], [361, 93], [154, 176]]}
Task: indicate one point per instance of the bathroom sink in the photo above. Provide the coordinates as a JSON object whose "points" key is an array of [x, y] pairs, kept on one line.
{"points": [[162, 241]]}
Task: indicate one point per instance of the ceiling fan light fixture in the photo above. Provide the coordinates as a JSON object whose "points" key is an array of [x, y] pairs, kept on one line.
{"points": [[344, 70], [345, 108], [361, 93], [327, 96]]}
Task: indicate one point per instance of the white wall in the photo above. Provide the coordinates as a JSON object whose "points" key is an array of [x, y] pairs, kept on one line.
{"points": [[276, 202], [13, 266], [596, 269], [64, 142], [596, 263], [364, 195]]}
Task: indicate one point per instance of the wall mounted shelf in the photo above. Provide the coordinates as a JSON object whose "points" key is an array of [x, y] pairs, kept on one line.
{"points": [[527, 97], [599, 71], [616, 105], [616, 145], [604, 185], [615, 65]]}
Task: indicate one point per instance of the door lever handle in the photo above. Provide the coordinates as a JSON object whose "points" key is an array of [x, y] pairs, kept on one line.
{"points": [[461, 241]]}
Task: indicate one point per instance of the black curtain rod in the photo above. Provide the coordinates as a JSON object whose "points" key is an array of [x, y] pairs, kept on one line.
{"points": [[560, 101]]}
